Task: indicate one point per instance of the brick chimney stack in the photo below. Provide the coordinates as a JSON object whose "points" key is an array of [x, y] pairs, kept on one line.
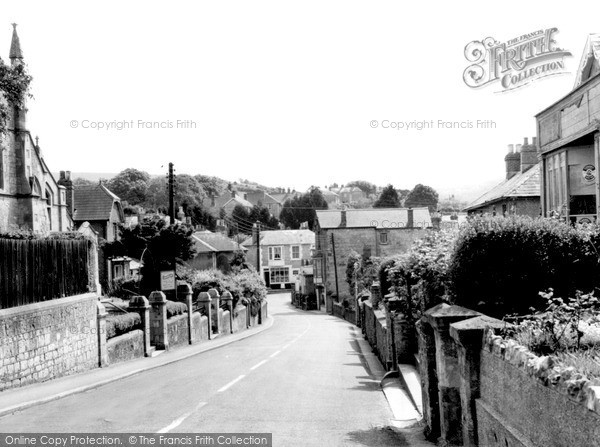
{"points": [[343, 222], [529, 154], [513, 162]]}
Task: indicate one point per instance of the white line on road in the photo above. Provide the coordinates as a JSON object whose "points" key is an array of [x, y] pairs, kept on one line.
{"points": [[286, 346], [274, 354], [230, 384], [259, 364], [177, 422]]}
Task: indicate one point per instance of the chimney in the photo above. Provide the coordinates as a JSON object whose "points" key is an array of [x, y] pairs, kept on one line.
{"points": [[343, 222], [513, 161], [529, 154], [232, 194], [65, 180], [410, 219]]}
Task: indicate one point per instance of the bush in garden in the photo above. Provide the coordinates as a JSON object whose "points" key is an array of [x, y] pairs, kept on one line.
{"points": [[245, 285], [499, 264], [119, 324], [361, 271], [175, 308], [420, 276], [122, 288]]}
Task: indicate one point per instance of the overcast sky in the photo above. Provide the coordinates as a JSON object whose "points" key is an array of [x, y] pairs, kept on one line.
{"points": [[281, 92]]}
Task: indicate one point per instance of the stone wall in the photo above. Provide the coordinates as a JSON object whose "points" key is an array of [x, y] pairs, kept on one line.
{"points": [[479, 389], [47, 340], [200, 327], [126, 347], [177, 330], [240, 318]]}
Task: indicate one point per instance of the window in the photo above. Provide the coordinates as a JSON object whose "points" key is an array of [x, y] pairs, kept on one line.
{"points": [[115, 231], [383, 238], [275, 254], [118, 271], [279, 275], [295, 252], [295, 272], [556, 184]]}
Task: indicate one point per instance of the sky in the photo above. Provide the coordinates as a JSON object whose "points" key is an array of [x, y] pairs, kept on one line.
{"points": [[283, 93]]}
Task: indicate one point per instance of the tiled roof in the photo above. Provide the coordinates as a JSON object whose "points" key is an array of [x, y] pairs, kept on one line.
{"points": [[523, 184], [93, 202], [208, 242], [374, 217], [239, 200], [284, 237]]}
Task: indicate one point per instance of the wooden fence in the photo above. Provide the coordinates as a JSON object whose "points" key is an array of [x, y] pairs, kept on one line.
{"points": [[38, 270]]}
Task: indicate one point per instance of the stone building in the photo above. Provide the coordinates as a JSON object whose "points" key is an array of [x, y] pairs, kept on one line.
{"points": [[519, 194], [282, 254], [370, 232], [30, 197], [213, 251], [569, 138]]}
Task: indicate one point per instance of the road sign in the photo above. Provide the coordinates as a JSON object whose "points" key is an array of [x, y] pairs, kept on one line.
{"points": [[167, 280]]}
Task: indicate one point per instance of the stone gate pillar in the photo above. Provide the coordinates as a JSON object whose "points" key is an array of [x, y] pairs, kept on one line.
{"points": [[102, 340], [228, 301], [205, 307], [158, 320], [184, 292], [448, 372], [216, 310], [468, 335], [141, 305]]}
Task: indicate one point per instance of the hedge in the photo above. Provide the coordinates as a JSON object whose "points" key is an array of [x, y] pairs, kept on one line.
{"points": [[119, 324], [175, 308], [245, 286], [499, 265]]}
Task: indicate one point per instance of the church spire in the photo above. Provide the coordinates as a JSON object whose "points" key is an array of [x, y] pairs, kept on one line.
{"points": [[15, 47]]}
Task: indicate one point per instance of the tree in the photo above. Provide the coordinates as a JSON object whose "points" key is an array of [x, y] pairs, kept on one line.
{"points": [[303, 209], [264, 216], [364, 186], [157, 244], [130, 185], [388, 198], [188, 192], [241, 219], [80, 181], [422, 195], [202, 217]]}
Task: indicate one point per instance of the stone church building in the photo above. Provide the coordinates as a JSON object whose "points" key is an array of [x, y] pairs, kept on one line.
{"points": [[30, 197]]}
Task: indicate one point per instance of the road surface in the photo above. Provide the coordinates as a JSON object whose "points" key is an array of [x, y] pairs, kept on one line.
{"points": [[305, 380]]}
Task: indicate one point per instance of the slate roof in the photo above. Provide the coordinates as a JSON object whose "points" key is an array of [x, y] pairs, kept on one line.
{"points": [[374, 218], [93, 202], [208, 242], [591, 50], [284, 237], [523, 184], [239, 200]]}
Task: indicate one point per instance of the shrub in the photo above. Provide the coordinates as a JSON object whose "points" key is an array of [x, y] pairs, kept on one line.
{"points": [[119, 324], [420, 276], [499, 264], [175, 308], [123, 288], [245, 285], [363, 270]]}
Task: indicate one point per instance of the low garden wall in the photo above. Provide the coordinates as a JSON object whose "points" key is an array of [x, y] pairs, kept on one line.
{"points": [[178, 330], [126, 347], [199, 327], [240, 318], [482, 390], [46, 340]]}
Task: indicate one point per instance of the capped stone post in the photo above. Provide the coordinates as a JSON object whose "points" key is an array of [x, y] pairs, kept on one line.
{"points": [[448, 372], [216, 309], [468, 335], [184, 290], [158, 320], [141, 305], [228, 301], [204, 303]]}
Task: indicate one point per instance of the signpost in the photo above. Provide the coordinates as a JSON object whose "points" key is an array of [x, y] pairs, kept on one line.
{"points": [[167, 280]]}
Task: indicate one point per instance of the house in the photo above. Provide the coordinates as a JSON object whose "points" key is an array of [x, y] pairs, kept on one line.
{"points": [[332, 198], [95, 204], [569, 133], [369, 232], [519, 193], [214, 251], [226, 203], [30, 197], [262, 198], [349, 194], [282, 254]]}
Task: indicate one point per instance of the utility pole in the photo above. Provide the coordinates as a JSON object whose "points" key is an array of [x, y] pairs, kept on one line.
{"points": [[171, 186], [258, 248], [335, 270]]}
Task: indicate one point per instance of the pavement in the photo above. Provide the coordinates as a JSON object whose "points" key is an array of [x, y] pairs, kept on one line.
{"points": [[310, 379]]}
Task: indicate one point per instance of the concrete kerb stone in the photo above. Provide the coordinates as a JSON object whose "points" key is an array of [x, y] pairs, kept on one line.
{"points": [[157, 363]]}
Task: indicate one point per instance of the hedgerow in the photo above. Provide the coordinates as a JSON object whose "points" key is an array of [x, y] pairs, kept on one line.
{"points": [[119, 324]]}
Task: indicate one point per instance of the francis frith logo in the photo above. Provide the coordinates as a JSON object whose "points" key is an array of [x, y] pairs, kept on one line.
{"points": [[516, 62]]}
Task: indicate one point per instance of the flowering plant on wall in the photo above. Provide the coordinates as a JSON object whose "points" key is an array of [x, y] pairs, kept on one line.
{"points": [[14, 86]]}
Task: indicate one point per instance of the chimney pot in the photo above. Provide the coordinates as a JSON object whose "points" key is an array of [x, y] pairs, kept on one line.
{"points": [[62, 175], [511, 148], [526, 141], [67, 175], [343, 219], [534, 141], [519, 146]]}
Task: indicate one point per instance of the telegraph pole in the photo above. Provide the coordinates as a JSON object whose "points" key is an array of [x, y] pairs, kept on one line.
{"points": [[171, 186], [258, 248]]}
